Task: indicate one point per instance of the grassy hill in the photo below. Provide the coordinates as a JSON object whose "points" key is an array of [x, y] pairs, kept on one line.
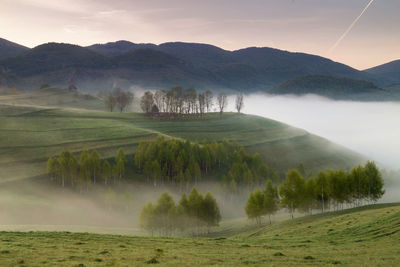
{"points": [[35, 126], [355, 237], [333, 87], [50, 97]]}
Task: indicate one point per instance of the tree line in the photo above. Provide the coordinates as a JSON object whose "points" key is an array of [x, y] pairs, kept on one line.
{"points": [[184, 163], [193, 212], [330, 189], [180, 101], [66, 170]]}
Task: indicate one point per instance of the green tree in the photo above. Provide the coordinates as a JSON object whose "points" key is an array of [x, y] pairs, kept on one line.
{"points": [[322, 188], [164, 212], [291, 190], [106, 171], [374, 180], [211, 214], [147, 218], [271, 200], [95, 164], [255, 206]]}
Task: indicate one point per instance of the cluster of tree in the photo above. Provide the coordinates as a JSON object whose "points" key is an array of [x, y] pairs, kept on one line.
{"points": [[195, 212], [67, 170], [337, 189], [246, 172], [185, 101], [185, 163], [177, 101], [118, 98], [262, 203]]}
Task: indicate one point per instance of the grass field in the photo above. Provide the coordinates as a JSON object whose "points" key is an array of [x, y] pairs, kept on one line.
{"points": [[36, 126], [367, 236]]}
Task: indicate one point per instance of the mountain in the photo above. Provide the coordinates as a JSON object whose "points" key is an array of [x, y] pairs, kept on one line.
{"points": [[245, 69], [117, 48], [10, 49], [329, 86], [125, 64], [390, 72]]}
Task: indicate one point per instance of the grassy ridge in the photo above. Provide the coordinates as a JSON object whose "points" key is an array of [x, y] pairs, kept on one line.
{"points": [[31, 131], [356, 237]]}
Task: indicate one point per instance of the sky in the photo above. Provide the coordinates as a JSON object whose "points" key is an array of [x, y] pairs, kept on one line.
{"points": [[310, 26]]}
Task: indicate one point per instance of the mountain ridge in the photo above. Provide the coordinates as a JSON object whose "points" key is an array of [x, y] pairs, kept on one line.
{"points": [[204, 66]]}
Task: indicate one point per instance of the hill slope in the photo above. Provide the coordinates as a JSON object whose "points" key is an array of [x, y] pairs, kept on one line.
{"points": [[333, 87], [352, 238], [29, 134], [10, 49], [201, 65], [390, 72]]}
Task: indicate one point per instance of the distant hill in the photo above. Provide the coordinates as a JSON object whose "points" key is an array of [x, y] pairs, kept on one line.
{"points": [[10, 49], [117, 48], [390, 72], [329, 86], [124, 64]]}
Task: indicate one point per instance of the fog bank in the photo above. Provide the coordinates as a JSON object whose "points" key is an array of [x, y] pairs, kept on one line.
{"points": [[370, 128]]}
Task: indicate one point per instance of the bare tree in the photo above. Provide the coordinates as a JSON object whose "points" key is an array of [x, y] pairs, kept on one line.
{"points": [[202, 103], [147, 102], [208, 100], [159, 99], [222, 102], [239, 102], [110, 102]]}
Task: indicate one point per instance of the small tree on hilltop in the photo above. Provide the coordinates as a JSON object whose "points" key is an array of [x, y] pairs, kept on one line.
{"points": [[239, 102], [146, 102], [222, 102]]}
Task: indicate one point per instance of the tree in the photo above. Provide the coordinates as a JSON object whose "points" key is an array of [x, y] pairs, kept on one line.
{"points": [[322, 188], [110, 102], [291, 190], [84, 168], [222, 102], [124, 99], [146, 102], [255, 206], [374, 180], [239, 102], [208, 100], [309, 195], [106, 171], [164, 211], [195, 200], [210, 211], [271, 200], [95, 164], [146, 218]]}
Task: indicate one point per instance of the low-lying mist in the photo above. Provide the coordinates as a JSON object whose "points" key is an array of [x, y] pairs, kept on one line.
{"points": [[370, 128], [33, 206]]}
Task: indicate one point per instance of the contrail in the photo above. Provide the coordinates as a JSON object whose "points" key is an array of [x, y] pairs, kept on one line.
{"points": [[350, 27]]}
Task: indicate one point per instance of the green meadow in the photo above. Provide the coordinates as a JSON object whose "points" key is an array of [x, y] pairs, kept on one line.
{"points": [[367, 236], [38, 125]]}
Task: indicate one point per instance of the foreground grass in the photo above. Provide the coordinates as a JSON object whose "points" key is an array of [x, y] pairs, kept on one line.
{"points": [[368, 236]]}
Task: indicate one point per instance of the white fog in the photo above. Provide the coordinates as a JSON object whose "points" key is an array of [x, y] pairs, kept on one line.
{"points": [[370, 128]]}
